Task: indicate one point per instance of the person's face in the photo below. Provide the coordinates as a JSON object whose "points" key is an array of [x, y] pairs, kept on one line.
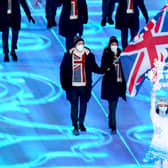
{"points": [[114, 44], [80, 46], [162, 109], [114, 47]]}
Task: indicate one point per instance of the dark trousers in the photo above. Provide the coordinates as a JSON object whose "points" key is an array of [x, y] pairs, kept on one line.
{"points": [[107, 8], [124, 35], [74, 29], [133, 26], [5, 36], [69, 41], [51, 9], [78, 105], [112, 114]]}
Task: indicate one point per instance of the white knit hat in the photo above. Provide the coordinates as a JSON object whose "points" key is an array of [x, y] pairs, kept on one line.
{"points": [[162, 102]]}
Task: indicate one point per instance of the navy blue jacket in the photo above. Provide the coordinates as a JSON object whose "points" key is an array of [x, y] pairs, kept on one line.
{"points": [[16, 14], [66, 27], [121, 15], [66, 72], [111, 89]]}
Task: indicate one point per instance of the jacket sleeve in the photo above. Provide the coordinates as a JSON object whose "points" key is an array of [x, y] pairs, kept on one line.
{"points": [[63, 73], [84, 12], [25, 7], [59, 2], [104, 62], [94, 67], [143, 9], [107, 62]]}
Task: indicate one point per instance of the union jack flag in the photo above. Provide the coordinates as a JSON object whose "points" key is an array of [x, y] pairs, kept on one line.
{"points": [[150, 44]]}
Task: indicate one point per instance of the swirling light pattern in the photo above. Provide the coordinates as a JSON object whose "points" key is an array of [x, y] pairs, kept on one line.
{"points": [[140, 134], [32, 41]]}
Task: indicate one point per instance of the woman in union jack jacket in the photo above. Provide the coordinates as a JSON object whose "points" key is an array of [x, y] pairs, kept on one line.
{"points": [[113, 83], [76, 79]]}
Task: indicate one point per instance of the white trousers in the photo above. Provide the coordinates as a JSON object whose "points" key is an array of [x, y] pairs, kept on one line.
{"points": [[161, 164]]}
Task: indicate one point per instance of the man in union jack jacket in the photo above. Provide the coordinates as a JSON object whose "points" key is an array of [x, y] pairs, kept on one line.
{"points": [[76, 79]]}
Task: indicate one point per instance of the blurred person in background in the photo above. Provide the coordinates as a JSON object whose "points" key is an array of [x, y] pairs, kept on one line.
{"points": [[10, 17]]}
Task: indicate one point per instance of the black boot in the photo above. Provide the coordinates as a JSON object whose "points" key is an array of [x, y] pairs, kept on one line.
{"points": [[75, 131], [14, 56], [6, 58], [82, 127], [103, 22], [110, 21]]}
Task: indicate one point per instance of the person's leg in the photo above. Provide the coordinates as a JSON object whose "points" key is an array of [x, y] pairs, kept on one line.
{"points": [[83, 107], [110, 11], [112, 115], [54, 11], [74, 112], [5, 36], [157, 164], [133, 25], [74, 107], [15, 34], [69, 42], [104, 11], [74, 99], [165, 163], [48, 10], [133, 31], [124, 37]]}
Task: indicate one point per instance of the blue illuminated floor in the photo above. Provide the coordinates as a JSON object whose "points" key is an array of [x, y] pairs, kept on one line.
{"points": [[35, 126]]}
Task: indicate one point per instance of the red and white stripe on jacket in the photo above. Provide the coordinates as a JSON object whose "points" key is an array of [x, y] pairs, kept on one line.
{"points": [[130, 6], [74, 10], [9, 11], [118, 69]]}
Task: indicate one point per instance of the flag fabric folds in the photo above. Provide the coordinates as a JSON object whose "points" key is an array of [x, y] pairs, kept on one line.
{"points": [[149, 44]]}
